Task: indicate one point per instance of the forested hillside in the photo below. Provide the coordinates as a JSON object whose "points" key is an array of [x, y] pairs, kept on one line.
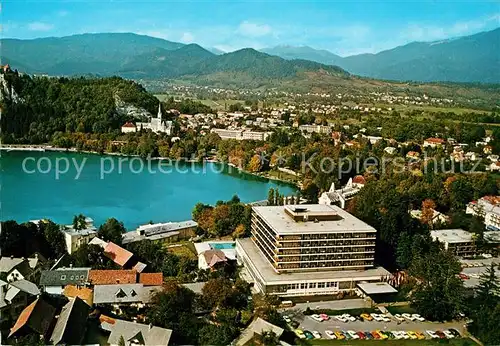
{"points": [[35, 108]]}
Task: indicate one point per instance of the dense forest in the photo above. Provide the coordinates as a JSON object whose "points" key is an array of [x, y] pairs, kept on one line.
{"points": [[38, 110]]}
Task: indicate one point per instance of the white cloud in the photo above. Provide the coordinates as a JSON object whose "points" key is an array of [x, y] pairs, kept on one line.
{"points": [[187, 37], [250, 29], [40, 26], [425, 32]]}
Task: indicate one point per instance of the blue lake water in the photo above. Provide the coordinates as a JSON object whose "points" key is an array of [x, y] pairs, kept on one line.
{"points": [[105, 188]]}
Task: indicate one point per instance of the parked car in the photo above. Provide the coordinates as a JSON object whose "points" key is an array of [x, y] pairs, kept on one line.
{"points": [[412, 335], [368, 335], [324, 317], [300, 333], [432, 334], [287, 319], [349, 317], [440, 334], [361, 335], [376, 335], [366, 317], [448, 334], [295, 324], [330, 334], [398, 334], [384, 318], [420, 335], [353, 334], [376, 317], [409, 317], [316, 334], [317, 318], [399, 318], [455, 332], [340, 318], [339, 335], [418, 317], [308, 334], [382, 335]]}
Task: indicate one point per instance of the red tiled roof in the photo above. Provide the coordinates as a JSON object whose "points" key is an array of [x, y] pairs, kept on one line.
{"points": [[84, 293], [117, 254], [128, 124], [359, 179], [37, 316], [151, 279], [435, 140], [111, 277]]}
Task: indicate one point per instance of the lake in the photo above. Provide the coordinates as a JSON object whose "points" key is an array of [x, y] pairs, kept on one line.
{"points": [[58, 185]]}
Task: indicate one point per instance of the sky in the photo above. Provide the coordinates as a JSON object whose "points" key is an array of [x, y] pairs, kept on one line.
{"points": [[342, 27]]}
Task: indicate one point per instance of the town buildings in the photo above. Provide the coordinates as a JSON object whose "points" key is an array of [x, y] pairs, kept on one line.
{"points": [[74, 238], [157, 125], [164, 232], [487, 207], [240, 134], [341, 196], [458, 241], [129, 127], [133, 333], [308, 250]]}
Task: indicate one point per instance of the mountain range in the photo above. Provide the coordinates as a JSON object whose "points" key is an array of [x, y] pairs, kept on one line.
{"points": [[473, 58]]}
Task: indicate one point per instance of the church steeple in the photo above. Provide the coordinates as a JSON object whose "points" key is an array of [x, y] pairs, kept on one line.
{"points": [[159, 111]]}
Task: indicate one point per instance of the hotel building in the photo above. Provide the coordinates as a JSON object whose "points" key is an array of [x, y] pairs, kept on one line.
{"points": [[307, 250]]}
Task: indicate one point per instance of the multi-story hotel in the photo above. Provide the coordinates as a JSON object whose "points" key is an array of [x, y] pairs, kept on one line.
{"points": [[458, 241], [308, 249]]}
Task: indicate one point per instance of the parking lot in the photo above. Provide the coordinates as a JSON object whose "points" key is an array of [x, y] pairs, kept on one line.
{"points": [[309, 324]]}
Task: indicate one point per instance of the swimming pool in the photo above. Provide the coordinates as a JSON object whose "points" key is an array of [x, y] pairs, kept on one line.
{"points": [[222, 246]]}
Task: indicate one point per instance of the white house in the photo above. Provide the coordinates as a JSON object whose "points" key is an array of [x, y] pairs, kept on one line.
{"points": [[340, 196], [129, 127]]}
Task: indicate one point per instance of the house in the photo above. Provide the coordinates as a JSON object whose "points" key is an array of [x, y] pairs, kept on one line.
{"points": [[162, 232], [120, 296], [390, 150], [74, 238], [15, 296], [129, 127], [119, 255], [35, 318], [151, 279], [211, 259], [71, 324], [487, 207], [458, 241], [13, 268], [436, 219], [257, 327], [54, 281], [434, 142], [84, 293], [495, 166], [472, 156], [341, 196], [112, 277], [412, 155], [134, 333]]}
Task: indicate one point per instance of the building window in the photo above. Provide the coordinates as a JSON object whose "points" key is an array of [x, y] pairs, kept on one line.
{"points": [[312, 285]]}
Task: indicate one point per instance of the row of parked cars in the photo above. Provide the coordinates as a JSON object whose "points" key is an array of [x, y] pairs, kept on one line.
{"points": [[378, 334], [369, 317]]}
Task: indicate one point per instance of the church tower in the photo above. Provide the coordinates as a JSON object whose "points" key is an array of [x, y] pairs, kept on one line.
{"points": [[159, 111]]}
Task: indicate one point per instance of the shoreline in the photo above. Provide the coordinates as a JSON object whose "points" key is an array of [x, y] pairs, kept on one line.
{"points": [[49, 148]]}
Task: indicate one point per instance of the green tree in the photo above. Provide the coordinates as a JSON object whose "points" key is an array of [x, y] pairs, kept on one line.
{"points": [[79, 222], [121, 341], [55, 238], [439, 292], [112, 230]]}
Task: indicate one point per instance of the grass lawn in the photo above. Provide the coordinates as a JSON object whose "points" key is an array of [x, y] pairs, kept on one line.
{"points": [[186, 249], [450, 342]]}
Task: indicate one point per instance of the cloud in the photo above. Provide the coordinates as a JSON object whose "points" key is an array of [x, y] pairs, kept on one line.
{"points": [[426, 32], [40, 26], [250, 29], [187, 37]]}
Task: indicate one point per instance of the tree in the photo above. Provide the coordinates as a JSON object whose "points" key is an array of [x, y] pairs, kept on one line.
{"points": [[112, 231], [90, 255], [268, 338], [270, 196], [439, 292], [55, 238], [217, 292], [79, 222], [428, 206], [121, 341], [255, 164]]}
